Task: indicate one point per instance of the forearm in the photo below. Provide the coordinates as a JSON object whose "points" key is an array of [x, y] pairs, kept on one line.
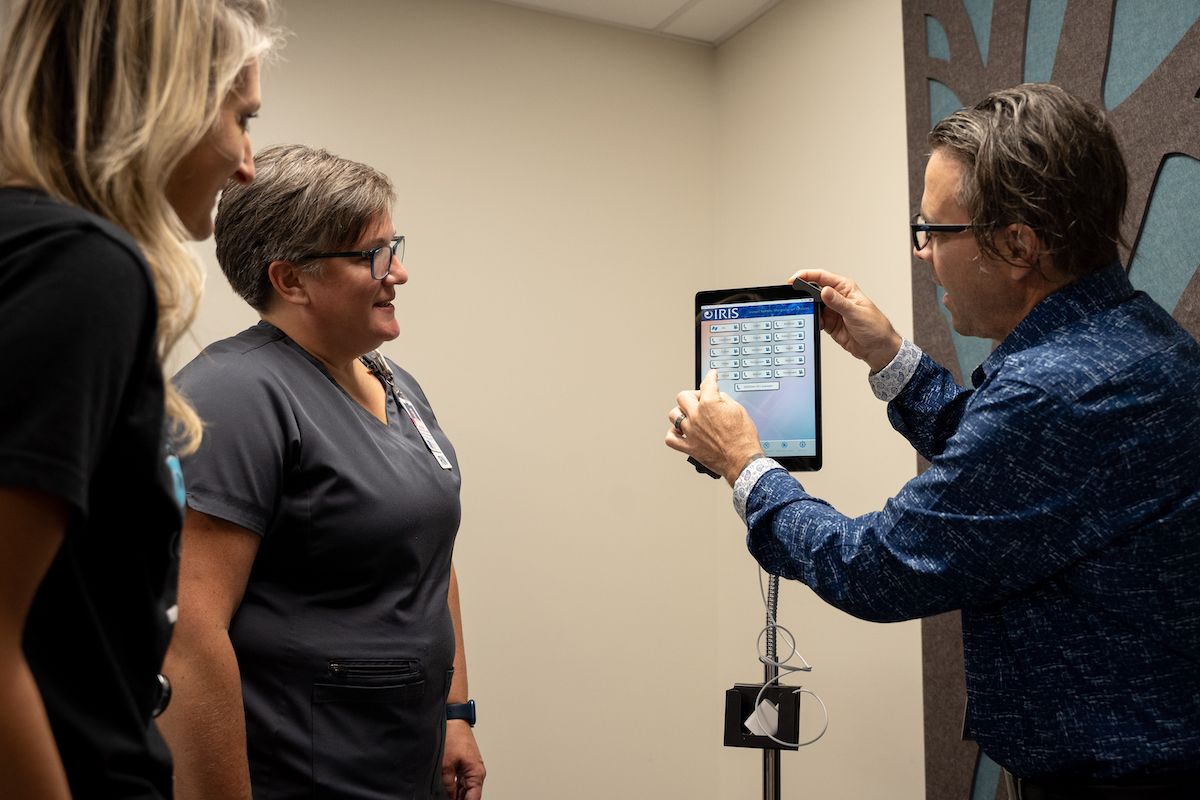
{"points": [[33, 531], [928, 409], [843, 560], [205, 722], [945, 540], [459, 691], [463, 772], [30, 765]]}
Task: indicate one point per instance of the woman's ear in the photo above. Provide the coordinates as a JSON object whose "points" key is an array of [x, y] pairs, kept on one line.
{"points": [[289, 282]]}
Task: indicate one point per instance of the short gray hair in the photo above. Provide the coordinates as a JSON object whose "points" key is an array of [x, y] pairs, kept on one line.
{"points": [[302, 200], [1037, 155]]}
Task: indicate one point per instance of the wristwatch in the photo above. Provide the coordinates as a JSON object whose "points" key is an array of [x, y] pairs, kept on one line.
{"points": [[464, 711]]}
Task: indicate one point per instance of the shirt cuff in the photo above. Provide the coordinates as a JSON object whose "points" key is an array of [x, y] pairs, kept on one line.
{"points": [[891, 380], [747, 480]]}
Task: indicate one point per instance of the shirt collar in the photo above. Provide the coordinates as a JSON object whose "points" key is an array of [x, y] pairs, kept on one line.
{"points": [[1077, 300]]}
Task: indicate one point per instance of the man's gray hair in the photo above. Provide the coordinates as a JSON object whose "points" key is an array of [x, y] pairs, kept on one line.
{"points": [[302, 200], [1037, 155]]}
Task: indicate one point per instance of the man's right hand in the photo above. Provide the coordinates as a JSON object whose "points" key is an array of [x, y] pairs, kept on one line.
{"points": [[852, 320]]}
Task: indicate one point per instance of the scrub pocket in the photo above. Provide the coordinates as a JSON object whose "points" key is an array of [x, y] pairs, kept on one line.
{"points": [[368, 730]]}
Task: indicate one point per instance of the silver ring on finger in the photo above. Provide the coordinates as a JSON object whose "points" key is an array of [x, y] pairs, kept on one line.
{"points": [[679, 423]]}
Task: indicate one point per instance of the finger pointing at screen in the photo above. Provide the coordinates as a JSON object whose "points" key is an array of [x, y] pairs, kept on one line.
{"points": [[716, 430]]}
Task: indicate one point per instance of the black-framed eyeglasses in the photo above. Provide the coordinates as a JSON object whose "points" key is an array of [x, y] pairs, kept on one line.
{"points": [[380, 258], [922, 231]]}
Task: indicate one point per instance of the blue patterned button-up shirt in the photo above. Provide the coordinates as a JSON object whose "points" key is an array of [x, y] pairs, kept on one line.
{"points": [[1060, 513]]}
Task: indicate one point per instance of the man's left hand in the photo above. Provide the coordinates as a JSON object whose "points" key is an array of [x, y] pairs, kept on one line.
{"points": [[462, 765]]}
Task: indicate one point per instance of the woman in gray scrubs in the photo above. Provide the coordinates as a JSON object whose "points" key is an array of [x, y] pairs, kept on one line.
{"points": [[317, 597]]}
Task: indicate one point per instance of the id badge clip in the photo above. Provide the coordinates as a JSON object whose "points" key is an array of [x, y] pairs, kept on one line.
{"points": [[379, 368]]}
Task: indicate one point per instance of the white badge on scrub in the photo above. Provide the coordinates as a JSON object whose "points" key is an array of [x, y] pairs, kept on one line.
{"points": [[379, 368]]}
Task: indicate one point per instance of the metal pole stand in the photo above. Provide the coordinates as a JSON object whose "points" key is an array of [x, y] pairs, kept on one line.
{"points": [[771, 761], [743, 699]]}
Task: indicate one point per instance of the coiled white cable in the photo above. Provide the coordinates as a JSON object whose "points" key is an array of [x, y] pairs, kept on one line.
{"points": [[784, 668]]}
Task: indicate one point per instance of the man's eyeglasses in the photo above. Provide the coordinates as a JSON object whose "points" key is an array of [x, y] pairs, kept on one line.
{"points": [[380, 258], [922, 231]]}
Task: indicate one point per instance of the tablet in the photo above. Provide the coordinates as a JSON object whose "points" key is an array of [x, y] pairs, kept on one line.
{"points": [[765, 344]]}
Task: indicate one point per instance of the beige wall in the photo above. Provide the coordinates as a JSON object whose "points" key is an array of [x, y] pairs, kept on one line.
{"points": [[811, 172], [566, 188]]}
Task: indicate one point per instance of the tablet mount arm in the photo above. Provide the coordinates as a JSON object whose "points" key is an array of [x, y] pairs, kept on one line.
{"points": [[703, 470]]}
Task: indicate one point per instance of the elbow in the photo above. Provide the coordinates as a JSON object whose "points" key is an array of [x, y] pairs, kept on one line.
{"points": [[864, 606]]}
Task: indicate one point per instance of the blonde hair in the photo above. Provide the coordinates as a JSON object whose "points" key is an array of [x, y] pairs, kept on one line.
{"points": [[100, 101]]}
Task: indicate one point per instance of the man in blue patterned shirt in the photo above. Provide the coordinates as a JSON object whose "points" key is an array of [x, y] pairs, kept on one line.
{"points": [[1061, 508]]}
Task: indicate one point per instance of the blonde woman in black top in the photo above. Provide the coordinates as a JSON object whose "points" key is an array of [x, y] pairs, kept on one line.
{"points": [[119, 122]]}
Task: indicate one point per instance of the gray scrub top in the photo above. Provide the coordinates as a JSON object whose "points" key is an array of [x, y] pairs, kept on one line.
{"points": [[344, 637]]}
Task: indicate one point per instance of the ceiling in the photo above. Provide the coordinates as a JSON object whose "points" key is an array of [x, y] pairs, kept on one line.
{"points": [[709, 22]]}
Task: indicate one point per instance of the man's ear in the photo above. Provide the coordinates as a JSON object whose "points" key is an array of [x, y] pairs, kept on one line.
{"points": [[1024, 248], [289, 282]]}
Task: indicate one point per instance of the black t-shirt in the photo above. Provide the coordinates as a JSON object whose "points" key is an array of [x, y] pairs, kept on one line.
{"points": [[81, 417]]}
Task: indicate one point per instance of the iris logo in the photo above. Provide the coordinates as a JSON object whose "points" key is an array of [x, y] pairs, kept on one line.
{"points": [[721, 313]]}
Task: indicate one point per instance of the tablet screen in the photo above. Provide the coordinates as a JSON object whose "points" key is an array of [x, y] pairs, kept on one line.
{"points": [[764, 343]]}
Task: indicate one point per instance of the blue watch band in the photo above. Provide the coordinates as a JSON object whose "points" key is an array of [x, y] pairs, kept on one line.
{"points": [[464, 711]]}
